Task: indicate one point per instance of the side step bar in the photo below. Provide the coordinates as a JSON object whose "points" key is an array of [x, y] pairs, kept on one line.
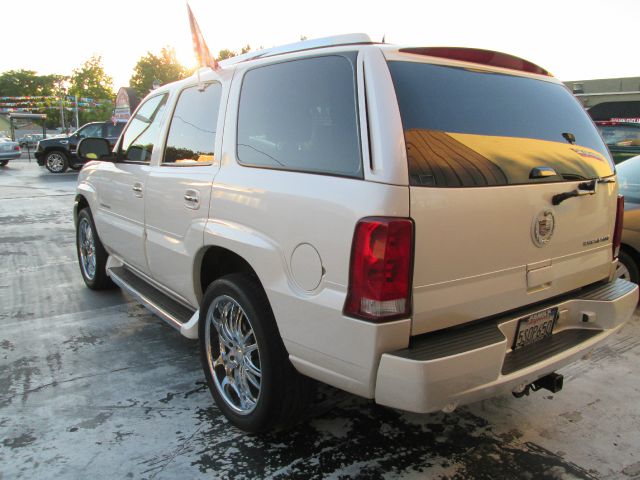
{"points": [[174, 313]]}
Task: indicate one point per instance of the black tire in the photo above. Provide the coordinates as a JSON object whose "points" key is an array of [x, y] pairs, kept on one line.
{"points": [[99, 280], [284, 394], [628, 262], [56, 161], [4, 163]]}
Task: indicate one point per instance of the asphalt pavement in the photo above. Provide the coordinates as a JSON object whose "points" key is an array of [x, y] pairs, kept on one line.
{"points": [[94, 386]]}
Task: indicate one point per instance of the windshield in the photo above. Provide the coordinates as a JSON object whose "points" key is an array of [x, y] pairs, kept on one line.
{"points": [[621, 135], [469, 128], [629, 179]]}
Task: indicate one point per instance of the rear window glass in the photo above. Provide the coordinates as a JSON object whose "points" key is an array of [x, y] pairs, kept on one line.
{"points": [[466, 128]]}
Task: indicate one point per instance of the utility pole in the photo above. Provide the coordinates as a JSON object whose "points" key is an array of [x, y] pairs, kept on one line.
{"points": [[77, 121], [62, 113]]}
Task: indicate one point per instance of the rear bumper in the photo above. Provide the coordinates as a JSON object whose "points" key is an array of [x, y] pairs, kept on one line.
{"points": [[466, 364]]}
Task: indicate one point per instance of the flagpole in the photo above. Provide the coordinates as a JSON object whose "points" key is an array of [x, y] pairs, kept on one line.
{"points": [[203, 55]]}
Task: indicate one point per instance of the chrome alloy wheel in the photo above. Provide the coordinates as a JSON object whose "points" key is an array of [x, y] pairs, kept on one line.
{"points": [[55, 162], [233, 355], [87, 246], [622, 271]]}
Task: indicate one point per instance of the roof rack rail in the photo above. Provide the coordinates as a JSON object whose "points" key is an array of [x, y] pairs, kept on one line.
{"points": [[337, 40]]}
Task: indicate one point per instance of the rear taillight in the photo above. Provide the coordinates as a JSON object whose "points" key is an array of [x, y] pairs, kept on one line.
{"points": [[380, 269], [17, 148], [617, 231]]}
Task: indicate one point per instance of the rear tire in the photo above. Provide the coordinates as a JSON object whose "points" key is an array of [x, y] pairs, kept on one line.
{"points": [[627, 267], [56, 162], [92, 257], [4, 163], [244, 359]]}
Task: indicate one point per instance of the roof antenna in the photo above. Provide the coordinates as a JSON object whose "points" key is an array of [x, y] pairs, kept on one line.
{"points": [[383, 37]]}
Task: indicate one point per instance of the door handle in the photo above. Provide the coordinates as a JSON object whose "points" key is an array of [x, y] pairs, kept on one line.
{"points": [[137, 189], [192, 199]]}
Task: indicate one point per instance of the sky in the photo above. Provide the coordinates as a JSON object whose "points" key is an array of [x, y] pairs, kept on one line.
{"points": [[573, 39]]}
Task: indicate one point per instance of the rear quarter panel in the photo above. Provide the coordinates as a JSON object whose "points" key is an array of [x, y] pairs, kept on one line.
{"points": [[263, 215]]}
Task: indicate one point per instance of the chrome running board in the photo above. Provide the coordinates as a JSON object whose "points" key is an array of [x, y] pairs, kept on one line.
{"points": [[174, 313]]}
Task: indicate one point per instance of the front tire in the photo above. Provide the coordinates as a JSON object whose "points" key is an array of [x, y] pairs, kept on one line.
{"points": [[244, 359], [92, 257], [56, 162], [627, 267]]}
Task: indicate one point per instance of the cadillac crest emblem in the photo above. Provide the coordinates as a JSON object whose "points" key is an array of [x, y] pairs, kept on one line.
{"points": [[542, 228]]}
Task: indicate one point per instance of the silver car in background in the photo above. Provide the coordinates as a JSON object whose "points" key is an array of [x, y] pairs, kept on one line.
{"points": [[629, 185], [9, 150]]}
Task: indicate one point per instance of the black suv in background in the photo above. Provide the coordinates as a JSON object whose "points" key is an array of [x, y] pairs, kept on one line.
{"points": [[58, 154]]}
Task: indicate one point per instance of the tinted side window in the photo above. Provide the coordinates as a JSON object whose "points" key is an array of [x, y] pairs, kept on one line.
{"points": [[94, 130], [113, 130], [301, 115], [143, 131], [192, 134]]}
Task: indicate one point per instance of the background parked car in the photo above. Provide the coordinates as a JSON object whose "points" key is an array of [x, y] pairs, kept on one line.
{"points": [[629, 186], [31, 140], [59, 153], [9, 150], [623, 139]]}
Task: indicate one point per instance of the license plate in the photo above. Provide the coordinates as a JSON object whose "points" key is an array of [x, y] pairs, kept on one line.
{"points": [[535, 327], [6, 147]]}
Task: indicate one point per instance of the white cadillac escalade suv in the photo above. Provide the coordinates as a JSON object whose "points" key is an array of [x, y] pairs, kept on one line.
{"points": [[425, 227]]}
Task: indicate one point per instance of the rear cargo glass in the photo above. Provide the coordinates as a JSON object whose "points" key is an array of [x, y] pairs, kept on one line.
{"points": [[468, 128]]}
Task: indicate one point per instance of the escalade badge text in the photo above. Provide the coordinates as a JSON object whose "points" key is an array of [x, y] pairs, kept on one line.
{"points": [[542, 228], [586, 243]]}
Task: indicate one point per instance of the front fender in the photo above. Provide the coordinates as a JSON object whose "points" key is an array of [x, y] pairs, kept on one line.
{"points": [[85, 193]]}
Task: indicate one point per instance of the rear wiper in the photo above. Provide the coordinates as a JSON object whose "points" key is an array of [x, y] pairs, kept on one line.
{"points": [[584, 188], [572, 176], [569, 137]]}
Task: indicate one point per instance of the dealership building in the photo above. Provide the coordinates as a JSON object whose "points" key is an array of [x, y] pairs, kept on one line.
{"points": [[615, 99]]}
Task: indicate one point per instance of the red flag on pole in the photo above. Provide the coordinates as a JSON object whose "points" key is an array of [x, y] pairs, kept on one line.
{"points": [[205, 59]]}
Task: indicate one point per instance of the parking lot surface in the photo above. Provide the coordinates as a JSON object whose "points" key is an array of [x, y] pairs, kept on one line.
{"points": [[94, 386]]}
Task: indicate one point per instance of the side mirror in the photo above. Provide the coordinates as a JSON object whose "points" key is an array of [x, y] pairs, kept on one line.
{"points": [[95, 149]]}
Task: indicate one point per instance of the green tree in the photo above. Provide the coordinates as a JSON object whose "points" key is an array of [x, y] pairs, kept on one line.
{"points": [[163, 67], [21, 83], [225, 53], [18, 83], [25, 83], [58, 92], [91, 81]]}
